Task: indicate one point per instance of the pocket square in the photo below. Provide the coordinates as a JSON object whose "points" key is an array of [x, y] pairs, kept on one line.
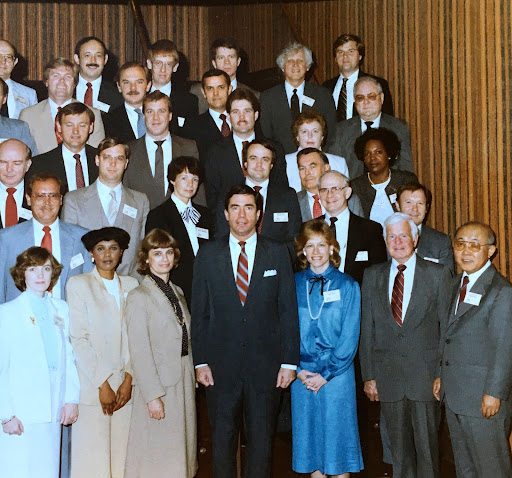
{"points": [[269, 273]]}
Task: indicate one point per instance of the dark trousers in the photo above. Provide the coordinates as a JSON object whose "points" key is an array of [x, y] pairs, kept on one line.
{"points": [[226, 408]]}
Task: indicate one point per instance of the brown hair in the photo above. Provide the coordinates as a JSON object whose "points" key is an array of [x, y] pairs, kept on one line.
{"points": [[345, 38], [164, 47], [43, 177], [156, 96], [34, 256], [312, 228], [57, 63], [75, 108], [309, 116], [108, 143], [156, 239], [243, 94], [133, 64]]}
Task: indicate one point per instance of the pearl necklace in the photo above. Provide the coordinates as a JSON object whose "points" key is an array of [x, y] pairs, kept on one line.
{"points": [[323, 301]]}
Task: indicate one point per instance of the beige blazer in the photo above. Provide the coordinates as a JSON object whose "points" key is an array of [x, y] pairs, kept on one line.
{"points": [[97, 330], [154, 337], [42, 126]]}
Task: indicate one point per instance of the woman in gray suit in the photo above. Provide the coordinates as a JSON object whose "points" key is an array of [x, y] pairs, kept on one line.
{"points": [[162, 439]]}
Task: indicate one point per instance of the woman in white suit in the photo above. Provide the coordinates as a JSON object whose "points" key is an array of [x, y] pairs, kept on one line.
{"points": [[39, 387]]}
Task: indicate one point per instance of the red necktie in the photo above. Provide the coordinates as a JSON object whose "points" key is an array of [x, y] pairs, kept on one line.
{"points": [[242, 274], [317, 208], [11, 211], [88, 95], [397, 296], [57, 133], [225, 130], [79, 172], [463, 289], [47, 239], [260, 220], [244, 145]]}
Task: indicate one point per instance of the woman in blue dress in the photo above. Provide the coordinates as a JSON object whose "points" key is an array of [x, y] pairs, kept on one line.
{"points": [[324, 416]]}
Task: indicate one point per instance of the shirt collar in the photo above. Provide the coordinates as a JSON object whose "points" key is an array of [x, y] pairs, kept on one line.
{"points": [[95, 83], [166, 89], [70, 154], [248, 242], [53, 226], [263, 185], [150, 142], [105, 190], [19, 186], [375, 122], [234, 84], [239, 141], [410, 264], [216, 116], [289, 88], [180, 205], [352, 78], [55, 106], [342, 216]]}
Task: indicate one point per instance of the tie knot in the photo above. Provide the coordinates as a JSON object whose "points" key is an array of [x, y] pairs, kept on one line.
{"points": [[345, 81], [295, 91], [46, 229], [11, 191], [242, 245], [465, 281], [222, 116], [368, 124], [112, 194], [77, 157], [401, 267], [89, 85], [159, 143], [59, 108], [138, 111], [333, 220], [316, 197], [257, 188], [244, 144]]}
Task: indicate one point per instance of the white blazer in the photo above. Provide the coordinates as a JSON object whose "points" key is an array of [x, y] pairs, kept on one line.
{"points": [[24, 376]]}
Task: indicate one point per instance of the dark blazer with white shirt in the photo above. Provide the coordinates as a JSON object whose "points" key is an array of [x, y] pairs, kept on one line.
{"points": [[196, 89], [108, 94], [205, 133], [436, 247], [117, 124], [354, 205]]}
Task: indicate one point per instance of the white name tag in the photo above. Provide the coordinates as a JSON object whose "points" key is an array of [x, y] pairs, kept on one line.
{"points": [[332, 295], [362, 256], [181, 121], [202, 233], [280, 217], [25, 213], [76, 261], [472, 298], [392, 198], [130, 211], [270, 273], [431, 259], [21, 99], [308, 101], [102, 106]]}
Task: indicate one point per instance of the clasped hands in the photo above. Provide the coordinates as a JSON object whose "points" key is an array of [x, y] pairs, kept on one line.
{"points": [[312, 381], [111, 401]]}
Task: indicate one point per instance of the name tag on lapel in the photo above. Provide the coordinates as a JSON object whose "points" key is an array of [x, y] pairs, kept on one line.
{"points": [[332, 295], [270, 273], [280, 217], [202, 233], [392, 198], [102, 106], [25, 213], [308, 101], [21, 99], [431, 259], [472, 298], [129, 211], [361, 256], [76, 261], [181, 121]]}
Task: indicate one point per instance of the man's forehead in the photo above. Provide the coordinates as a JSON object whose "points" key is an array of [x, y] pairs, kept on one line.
{"points": [[258, 150], [48, 185], [241, 105], [331, 180], [114, 151], [12, 151], [472, 233], [5, 48], [76, 117], [133, 71], [62, 70], [311, 158], [157, 105], [367, 86], [224, 51], [92, 46], [242, 200], [215, 81]]}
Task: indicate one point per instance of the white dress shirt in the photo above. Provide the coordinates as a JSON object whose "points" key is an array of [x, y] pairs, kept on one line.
{"points": [[472, 279], [18, 197], [375, 123], [239, 146], [381, 207], [166, 89], [351, 81], [408, 281], [216, 117], [341, 234], [151, 148], [54, 107], [112, 287], [289, 93], [133, 117], [234, 85], [70, 167], [189, 225], [81, 88], [311, 202], [104, 195], [263, 191]]}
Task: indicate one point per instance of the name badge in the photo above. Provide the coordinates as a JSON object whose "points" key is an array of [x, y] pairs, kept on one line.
{"points": [[25, 213], [431, 259], [76, 261], [21, 99], [332, 295], [361, 256], [392, 198], [102, 106], [202, 233], [472, 298], [270, 273], [308, 101], [181, 121], [129, 211], [280, 217]]}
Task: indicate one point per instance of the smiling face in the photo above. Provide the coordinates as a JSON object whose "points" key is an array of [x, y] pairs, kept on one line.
{"points": [[348, 58], [133, 85], [157, 117], [242, 117], [414, 204], [75, 130], [295, 68], [259, 163], [13, 163], [472, 260], [162, 67], [317, 251], [310, 135], [38, 278], [60, 84], [106, 255], [400, 242], [91, 60], [226, 60], [45, 201], [242, 216], [185, 185], [161, 261], [333, 194], [311, 167]]}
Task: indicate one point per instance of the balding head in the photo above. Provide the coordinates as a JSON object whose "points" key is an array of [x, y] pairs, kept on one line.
{"points": [[8, 59], [15, 159]]}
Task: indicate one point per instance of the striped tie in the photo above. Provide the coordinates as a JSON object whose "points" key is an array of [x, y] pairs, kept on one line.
{"points": [[397, 295], [242, 274]]}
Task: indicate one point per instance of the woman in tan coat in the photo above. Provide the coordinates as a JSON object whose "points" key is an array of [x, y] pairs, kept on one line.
{"points": [[162, 439]]}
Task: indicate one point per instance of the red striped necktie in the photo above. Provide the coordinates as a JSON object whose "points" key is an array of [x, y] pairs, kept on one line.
{"points": [[242, 274], [397, 295]]}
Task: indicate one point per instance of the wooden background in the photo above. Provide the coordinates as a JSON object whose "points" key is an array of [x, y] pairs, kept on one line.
{"points": [[448, 63]]}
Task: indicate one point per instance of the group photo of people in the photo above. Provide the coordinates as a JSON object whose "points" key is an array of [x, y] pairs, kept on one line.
{"points": [[263, 253]]}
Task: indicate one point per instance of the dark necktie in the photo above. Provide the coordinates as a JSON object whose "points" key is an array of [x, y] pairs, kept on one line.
{"points": [[260, 220], [294, 104], [79, 172], [368, 124], [47, 239], [58, 136], [11, 211], [225, 130], [341, 110], [159, 168], [397, 296], [463, 290], [4, 110], [242, 274], [333, 225], [244, 146], [88, 95], [317, 208]]}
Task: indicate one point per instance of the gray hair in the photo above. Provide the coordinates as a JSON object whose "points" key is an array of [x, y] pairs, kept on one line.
{"points": [[367, 79], [290, 50], [332, 172], [396, 218]]}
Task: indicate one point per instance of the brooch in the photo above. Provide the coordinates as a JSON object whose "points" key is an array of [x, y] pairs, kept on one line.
{"points": [[33, 320]]}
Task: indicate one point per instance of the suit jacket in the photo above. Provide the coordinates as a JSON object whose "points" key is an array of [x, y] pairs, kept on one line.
{"points": [[167, 217], [23, 98], [476, 347], [52, 162], [362, 187], [41, 124], [184, 106], [354, 205], [205, 133], [403, 360], [195, 89], [138, 175], [436, 247], [97, 330], [13, 128], [16, 239], [276, 116], [83, 207], [222, 170], [108, 94], [24, 375], [348, 131], [117, 124], [265, 333], [24, 205], [387, 106]]}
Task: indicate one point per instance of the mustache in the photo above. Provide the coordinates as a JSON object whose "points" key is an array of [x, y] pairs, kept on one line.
{"points": [[132, 93], [92, 64]]}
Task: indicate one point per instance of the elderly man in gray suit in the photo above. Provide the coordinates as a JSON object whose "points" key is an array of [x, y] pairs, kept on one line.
{"points": [[404, 300], [107, 202], [476, 365]]}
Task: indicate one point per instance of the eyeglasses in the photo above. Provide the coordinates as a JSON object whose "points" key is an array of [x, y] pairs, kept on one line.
{"points": [[333, 190], [168, 65], [41, 197], [7, 58], [369, 96], [471, 245]]}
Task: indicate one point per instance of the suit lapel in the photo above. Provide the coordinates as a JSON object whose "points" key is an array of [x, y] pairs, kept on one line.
{"points": [[257, 271], [417, 297], [283, 106], [94, 209], [123, 220], [224, 272], [383, 292]]}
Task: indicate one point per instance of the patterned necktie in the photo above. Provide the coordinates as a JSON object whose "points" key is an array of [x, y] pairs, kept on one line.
{"points": [[225, 130], [397, 296], [47, 239], [463, 290], [141, 125], [79, 172], [88, 95], [112, 208], [11, 211], [191, 214], [260, 220], [341, 110], [368, 124], [242, 274], [294, 104], [159, 168], [58, 136], [317, 208]]}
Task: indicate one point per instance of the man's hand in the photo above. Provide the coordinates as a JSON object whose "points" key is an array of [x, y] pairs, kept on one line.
{"points": [[69, 414], [124, 392], [490, 406], [436, 388], [315, 382], [370, 388], [204, 375], [285, 377], [107, 398], [156, 409], [13, 427]]}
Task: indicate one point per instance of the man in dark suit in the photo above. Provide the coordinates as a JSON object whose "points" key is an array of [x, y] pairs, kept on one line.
{"points": [[126, 122], [73, 160], [404, 301], [224, 164], [368, 100], [15, 159], [414, 199], [244, 362], [281, 104], [91, 56], [476, 365], [152, 154], [349, 53], [163, 61]]}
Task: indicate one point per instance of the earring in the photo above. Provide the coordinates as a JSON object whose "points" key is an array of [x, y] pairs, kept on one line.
{"points": [[92, 259]]}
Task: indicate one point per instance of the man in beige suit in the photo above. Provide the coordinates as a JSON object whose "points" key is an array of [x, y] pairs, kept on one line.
{"points": [[60, 77], [107, 202]]}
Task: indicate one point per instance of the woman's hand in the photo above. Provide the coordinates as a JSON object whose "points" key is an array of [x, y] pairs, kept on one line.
{"points": [[156, 409], [304, 375], [124, 392], [107, 398], [315, 382], [69, 414], [13, 427]]}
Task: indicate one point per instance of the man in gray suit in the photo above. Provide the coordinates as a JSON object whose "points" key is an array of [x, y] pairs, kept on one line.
{"points": [[107, 202], [404, 300], [368, 100], [476, 365], [414, 199]]}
